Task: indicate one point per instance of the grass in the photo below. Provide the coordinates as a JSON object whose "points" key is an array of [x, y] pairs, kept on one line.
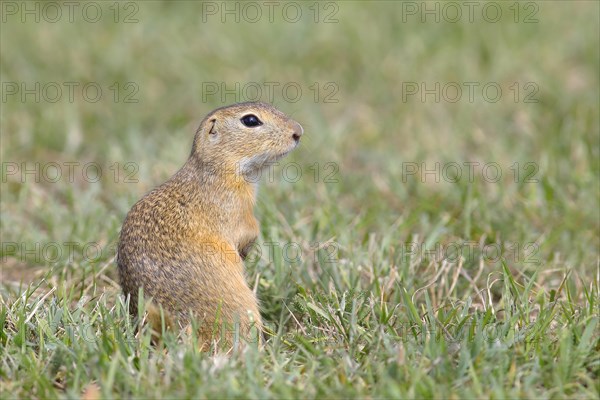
{"points": [[378, 303]]}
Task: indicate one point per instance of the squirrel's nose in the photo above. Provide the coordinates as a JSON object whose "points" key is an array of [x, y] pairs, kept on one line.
{"points": [[298, 131]]}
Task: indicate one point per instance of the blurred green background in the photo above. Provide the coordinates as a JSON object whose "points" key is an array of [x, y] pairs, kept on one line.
{"points": [[357, 64]]}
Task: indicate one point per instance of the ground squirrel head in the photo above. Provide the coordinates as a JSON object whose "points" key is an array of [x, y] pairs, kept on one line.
{"points": [[245, 137]]}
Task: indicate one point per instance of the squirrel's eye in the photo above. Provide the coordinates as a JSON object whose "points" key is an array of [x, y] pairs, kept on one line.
{"points": [[251, 120]]}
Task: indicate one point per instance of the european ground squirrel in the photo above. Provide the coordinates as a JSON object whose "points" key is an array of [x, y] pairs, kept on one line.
{"points": [[185, 241]]}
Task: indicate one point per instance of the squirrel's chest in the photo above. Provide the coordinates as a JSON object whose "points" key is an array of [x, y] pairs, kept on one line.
{"points": [[246, 234], [245, 228]]}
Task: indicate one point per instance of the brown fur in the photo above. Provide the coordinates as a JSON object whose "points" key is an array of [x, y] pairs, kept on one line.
{"points": [[185, 241]]}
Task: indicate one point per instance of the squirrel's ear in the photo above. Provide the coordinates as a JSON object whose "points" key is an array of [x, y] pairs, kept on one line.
{"points": [[207, 127], [211, 126]]}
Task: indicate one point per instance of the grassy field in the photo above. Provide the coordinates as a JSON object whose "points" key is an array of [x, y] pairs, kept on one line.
{"points": [[442, 240]]}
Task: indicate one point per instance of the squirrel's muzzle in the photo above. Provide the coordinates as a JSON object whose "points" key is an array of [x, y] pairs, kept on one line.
{"points": [[297, 131]]}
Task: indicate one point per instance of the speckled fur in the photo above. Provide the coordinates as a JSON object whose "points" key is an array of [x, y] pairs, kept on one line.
{"points": [[184, 242]]}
